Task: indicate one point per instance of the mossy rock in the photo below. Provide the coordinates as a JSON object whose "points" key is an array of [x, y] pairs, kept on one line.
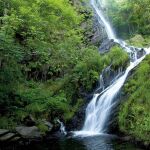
{"points": [[139, 41]]}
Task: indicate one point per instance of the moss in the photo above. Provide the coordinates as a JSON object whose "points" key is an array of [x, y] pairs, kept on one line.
{"points": [[139, 41], [43, 128], [134, 114]]}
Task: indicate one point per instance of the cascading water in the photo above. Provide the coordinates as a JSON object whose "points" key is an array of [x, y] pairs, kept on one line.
{"points": [[109, 31], [101, 106], [62, 127]]}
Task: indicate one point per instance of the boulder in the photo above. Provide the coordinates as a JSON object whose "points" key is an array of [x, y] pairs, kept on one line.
{"points": [[3, 132], [141, 52], [7, 136], [28, 132]]}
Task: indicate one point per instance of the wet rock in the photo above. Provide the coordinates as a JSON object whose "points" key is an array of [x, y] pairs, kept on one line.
{"points": [[106, 45], [93, 33], [98, 32], [28, 132], [140, 53], [7, 136], [3, 132], [109, 75], [78, 120], [126, 138], [69, 134], [17, 138]]}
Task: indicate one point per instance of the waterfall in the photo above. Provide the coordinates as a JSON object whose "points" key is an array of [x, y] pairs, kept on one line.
{"points": [[96, 4], [62, 127], [99, 110]]}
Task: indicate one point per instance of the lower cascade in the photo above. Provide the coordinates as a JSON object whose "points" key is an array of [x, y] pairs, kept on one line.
{"points": [[99, 110], [101, 106], [62, 127]]}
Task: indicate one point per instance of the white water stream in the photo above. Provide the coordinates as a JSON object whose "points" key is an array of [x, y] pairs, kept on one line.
{"points": [[101, 106], [96, 4], [62, 127]]}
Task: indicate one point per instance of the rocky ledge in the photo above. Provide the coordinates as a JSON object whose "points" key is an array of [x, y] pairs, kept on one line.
{"points": [[30, 130]]}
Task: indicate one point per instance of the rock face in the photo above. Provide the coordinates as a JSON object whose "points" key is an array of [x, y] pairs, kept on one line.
{"points": [[99, 33], [109, 74], [140, 53], [94, 32], [77, 122], [106, 45], [28, 132]]}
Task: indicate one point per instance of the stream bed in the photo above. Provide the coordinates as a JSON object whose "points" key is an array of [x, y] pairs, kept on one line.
{"points": [[101, 142]]}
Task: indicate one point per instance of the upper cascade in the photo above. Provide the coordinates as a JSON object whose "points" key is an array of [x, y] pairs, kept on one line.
{"points": [[97, 5]]}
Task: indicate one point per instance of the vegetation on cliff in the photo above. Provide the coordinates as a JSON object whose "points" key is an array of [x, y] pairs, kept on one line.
{"points": [[46, 64], [129, 17], [134, 114]]}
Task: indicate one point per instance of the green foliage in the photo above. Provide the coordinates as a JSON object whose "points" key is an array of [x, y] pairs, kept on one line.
{"points": [[118, 57], [7, 123], [135, 113], [139, 41], [45, 61], [130, 17], [10, 73], [86, 73], [43, 128]]}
